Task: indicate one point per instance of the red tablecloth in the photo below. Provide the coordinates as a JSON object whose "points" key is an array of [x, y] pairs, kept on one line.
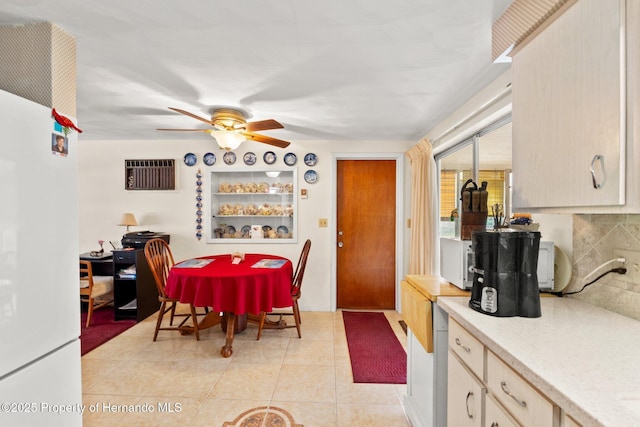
{"points": [[238, 288]]}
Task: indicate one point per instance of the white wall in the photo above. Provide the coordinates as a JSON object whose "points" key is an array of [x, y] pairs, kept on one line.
{"points": [[103, 200]]}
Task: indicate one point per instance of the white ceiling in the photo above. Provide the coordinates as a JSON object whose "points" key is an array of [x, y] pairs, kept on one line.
{"points": [[377, 70]]}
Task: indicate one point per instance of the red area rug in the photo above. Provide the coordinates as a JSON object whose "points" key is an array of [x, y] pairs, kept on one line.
{"points": [[376, 354], [101, 330]]}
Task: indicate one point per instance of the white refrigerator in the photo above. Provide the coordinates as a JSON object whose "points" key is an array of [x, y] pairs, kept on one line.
{"points": [[40, 379]]}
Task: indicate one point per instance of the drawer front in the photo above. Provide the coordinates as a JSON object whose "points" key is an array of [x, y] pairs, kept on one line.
{"points": [[567, 421], [128, 256], [524, 402], [416, 312], [495, 414], [465, 395], [469, 349]]}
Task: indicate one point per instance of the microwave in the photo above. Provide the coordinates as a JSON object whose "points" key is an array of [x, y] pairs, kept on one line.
{"points": [[456, 263]]}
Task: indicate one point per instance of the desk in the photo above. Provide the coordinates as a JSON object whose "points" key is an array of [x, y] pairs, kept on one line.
{"points": [[101, 265], [232, 289], [135, 294]]}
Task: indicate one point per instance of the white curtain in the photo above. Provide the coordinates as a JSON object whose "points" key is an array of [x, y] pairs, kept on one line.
{"points": [[424, 214]]}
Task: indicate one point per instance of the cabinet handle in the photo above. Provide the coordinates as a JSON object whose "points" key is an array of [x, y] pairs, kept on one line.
{"points": [[469, 414], [508, 393], [464, 347], [595, 159]]}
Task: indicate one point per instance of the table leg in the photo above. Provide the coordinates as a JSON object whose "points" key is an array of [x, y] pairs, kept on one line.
{"points": [[227, 349], [239, 325]]}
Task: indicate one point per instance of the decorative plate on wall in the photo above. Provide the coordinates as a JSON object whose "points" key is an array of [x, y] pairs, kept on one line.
{"points": [[190, 159], [269, 157], [311, 176], [290, 159], [310, 159], [229, 157], [209, 159], [249, 158]]}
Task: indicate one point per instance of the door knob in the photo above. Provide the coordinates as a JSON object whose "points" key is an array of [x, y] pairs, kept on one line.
{"points": [[340, 244]]}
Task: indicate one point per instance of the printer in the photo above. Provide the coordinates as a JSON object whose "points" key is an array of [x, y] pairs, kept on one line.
{"points": [[137, 239]]}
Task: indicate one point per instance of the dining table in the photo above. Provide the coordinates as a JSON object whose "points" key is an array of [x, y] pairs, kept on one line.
{"points": [[231, 286]]}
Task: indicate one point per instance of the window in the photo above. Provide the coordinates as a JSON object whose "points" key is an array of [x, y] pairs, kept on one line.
{"points": [[485, 156]]}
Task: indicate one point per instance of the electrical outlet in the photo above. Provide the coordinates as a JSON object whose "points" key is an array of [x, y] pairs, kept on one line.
{"points": [[632, 265], [323, 222]]}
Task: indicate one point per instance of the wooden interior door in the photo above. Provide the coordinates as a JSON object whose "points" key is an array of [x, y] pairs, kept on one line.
{"points": [[366, 227]]}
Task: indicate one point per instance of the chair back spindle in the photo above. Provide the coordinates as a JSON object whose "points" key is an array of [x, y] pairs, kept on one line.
{"points": [[296, 282], [296, 285], [160, 261]]}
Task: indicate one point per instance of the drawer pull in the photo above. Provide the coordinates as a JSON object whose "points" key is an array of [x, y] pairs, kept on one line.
{"points": [[469, 414], [464, 347], [508, 393]]}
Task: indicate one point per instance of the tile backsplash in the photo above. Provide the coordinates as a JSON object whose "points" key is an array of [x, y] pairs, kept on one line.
{"points": [[595, 236]]}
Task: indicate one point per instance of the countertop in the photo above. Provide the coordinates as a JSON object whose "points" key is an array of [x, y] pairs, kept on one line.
{"points": [[582, 357], [433, 287]]}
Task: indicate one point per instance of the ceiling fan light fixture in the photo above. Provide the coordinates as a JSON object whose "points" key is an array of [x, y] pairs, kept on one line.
{"points": [[227, 140]]}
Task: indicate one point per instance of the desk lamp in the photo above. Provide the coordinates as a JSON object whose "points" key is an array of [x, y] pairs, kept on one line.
{"points": [[128, 219]]}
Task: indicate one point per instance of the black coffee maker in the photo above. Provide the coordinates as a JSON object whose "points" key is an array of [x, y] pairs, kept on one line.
{"points": [[505, 279]]}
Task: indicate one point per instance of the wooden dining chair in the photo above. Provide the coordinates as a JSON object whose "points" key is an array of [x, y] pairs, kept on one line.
{"points": [[160, 260], [96, 291], [296, 292]]}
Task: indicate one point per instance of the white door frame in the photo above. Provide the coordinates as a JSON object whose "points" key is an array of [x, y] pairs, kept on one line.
{"points": [[399, 159]]}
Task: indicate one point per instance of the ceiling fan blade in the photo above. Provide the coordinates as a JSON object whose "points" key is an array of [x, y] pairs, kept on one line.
{"points": [[186, 113], [263, 125], [188, 130], [266, 139]]}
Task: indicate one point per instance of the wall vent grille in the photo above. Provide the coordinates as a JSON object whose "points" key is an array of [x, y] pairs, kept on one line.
{"points": [[150, 174]]}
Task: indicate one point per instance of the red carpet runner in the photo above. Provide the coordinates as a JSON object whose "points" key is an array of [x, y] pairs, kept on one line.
{"points": [[376, 354], [101, 330]]}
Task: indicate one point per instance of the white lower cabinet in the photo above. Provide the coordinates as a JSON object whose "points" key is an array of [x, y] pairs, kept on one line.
{"points": [[567, 421], [523, 401], [495, 415], [465, 395], [425, 402], [484, 391], [468, 349]]}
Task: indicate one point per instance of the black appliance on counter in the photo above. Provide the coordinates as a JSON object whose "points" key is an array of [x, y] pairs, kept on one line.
{"points": [[137, 239], [505, 280]]}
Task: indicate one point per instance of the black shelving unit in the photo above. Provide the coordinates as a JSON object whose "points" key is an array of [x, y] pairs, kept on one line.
{"points": [[134, 296]]}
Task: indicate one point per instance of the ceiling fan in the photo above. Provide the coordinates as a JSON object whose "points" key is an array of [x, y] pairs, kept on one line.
{"points": [[230, 128]]}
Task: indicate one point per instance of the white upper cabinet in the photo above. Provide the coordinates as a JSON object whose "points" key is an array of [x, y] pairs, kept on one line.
{"points": [[570, 136]]}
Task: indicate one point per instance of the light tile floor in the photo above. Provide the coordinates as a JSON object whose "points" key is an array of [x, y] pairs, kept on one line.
{"points": [[179, 381]]}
